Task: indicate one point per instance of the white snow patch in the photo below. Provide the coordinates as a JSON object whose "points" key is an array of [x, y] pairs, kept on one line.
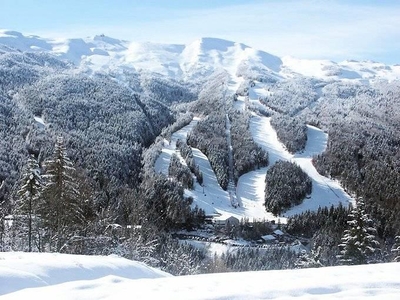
{"points": [[162, 162], [20, 270], [71, 272], [194, 60], [40, 121]]}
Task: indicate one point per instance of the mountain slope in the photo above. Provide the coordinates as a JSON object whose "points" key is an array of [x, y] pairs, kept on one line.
{"points": [[194, 60]]}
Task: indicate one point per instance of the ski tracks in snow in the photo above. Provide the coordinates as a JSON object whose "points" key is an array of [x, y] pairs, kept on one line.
{"points": [[325, 191]]}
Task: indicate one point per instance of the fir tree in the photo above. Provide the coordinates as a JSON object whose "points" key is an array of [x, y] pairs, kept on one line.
{"points": [[307, 260], [29, 196], [396, 249], [359, 244], [62, 210]]}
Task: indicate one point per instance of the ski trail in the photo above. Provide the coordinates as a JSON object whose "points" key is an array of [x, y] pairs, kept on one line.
{"points": [[325, 191], [162, 162], [231, 182]]}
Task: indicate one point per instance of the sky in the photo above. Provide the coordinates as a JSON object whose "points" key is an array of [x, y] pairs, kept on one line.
{"points": [[317, 29]]}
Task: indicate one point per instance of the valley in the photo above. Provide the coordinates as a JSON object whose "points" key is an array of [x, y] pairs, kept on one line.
{"points": [[195, 141], [199, 150]]}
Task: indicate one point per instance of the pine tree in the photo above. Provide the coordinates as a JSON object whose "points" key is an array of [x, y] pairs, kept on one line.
{"points": [[306, 260], [29, 196], [359, 244], [62, 210], [396, 249]]}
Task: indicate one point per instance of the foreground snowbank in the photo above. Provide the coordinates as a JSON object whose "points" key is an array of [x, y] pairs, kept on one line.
{"points": [[60, 276], [25, 270]]}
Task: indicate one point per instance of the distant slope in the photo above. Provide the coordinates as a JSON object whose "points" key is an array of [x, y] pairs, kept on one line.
{"points": [[95, 277], [194, 60]]}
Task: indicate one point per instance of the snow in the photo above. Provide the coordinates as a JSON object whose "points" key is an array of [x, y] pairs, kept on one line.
{"points": [[268, 237], [27, 270], [250, 188], [214, 200], [40, 121], [62, 276], [213, 249], [162, 162], [193, 60], [325, 191], [346, 70]]}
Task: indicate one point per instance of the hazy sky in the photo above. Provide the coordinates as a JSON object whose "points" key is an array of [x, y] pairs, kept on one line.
{"points": [[336, 29]]}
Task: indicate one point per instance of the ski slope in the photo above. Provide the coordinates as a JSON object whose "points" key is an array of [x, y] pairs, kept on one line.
{"points": [[162, 162], [75, 277], [249, 192], [209, 196], [325, 191]]}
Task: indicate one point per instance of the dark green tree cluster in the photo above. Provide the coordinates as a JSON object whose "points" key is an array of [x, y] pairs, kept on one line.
{"points": [[250, 259], [187, 154], [50, 205], [180, 172], [165, 204], [359, 242], [324, 228], [286, 185], [396, 249], [291, 96], [212, 97], [367, 163], [247, 155], [291, 131], [29, 202], [62, 207], [179, 258], [209, 137]]}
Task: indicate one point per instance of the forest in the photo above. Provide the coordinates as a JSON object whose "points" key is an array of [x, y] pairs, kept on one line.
{"points": [[77, 156], [286, 185]]}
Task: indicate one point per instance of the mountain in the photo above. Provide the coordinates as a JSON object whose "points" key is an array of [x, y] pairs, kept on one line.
{"points": [[194, 60], [124, 107]]}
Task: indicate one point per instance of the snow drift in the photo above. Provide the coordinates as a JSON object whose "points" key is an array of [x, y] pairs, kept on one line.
{"points": [[61, 276]]}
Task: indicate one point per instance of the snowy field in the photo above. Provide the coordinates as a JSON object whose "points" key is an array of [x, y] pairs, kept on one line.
{"points": [[20, 270], [62, 276]]}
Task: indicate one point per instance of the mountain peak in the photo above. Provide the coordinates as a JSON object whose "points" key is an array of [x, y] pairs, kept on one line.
{"points": [[108, 40], [199, 58], [5, 32], [218, 44]]}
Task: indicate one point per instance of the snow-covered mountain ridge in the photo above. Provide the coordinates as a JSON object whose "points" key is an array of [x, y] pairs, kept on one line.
{"points": [[199, 58]]}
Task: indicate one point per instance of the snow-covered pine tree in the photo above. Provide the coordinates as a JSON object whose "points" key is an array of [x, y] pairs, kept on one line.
{"points": [[396, 249], [62, 209], [307, 260], [359, 244], [29, 192]]}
